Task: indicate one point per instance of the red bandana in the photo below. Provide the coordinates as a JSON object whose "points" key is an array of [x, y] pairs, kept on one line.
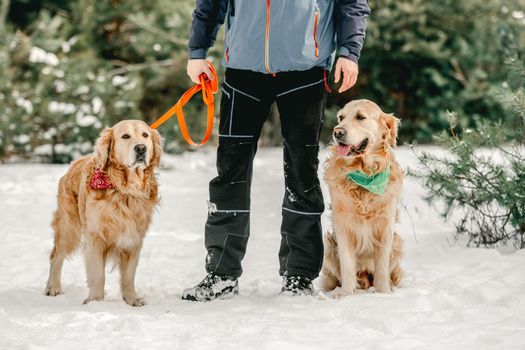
{"points": [[100, 181]]}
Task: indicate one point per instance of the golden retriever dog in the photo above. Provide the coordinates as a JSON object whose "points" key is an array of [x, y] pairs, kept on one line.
{"points": [[364, 250], [106, 200]]}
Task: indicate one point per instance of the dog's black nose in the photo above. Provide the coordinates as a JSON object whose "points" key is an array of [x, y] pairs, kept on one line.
{"points": [[339, 133], [140, 149]]}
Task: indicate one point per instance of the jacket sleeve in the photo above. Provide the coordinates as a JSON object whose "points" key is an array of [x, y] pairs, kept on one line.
{"points": [[350, 22], [207, 18]]}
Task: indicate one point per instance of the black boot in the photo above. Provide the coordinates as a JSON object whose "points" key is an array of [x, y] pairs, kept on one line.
{"points": [[212, 287], [297, 285]]}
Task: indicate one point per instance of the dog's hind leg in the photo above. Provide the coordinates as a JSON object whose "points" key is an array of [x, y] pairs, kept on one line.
{"points": [[331, 272], [128, 266], [67, 238], [328, 281], [54, 286], [395, 259]]}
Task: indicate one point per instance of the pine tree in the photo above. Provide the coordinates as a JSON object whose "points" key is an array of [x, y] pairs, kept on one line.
{"points": [[423, 57], [70, 68], [482, 174]]}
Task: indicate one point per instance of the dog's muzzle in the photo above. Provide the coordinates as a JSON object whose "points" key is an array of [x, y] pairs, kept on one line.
{"points": [[344, 149]]}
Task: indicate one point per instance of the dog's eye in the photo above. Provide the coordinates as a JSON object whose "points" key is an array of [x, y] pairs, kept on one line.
{"points": [[360, 117], [145, 135], [125, 136], [340, 117]]}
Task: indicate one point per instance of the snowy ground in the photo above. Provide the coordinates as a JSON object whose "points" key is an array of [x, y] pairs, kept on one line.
{"points": [[451, 297]]}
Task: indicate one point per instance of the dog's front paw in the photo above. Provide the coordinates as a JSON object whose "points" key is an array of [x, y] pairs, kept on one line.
{"points": [[53, 291], [134, 301], [383, 287], [93, 298], [342, 292]]}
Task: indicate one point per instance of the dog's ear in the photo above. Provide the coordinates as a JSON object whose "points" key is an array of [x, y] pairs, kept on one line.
{"points": [[389, 124], [103, 148], [157, 148]]}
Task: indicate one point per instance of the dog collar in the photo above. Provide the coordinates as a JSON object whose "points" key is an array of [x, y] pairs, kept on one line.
{"points": [[374, 183], [100, 181]]}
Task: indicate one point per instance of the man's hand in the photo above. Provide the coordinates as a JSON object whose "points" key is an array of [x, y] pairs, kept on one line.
{"points": [[349, 70], [196, 67]]}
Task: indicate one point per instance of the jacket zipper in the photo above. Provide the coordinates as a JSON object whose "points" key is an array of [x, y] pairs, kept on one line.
{"points": [[267, 39], [316, 21]]}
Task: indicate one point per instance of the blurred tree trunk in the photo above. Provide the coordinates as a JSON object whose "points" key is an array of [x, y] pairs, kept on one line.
{"points": [[113, 30], [4, 8]]}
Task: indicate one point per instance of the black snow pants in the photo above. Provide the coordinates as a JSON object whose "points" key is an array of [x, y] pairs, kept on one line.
{"points": [[246, 100]]}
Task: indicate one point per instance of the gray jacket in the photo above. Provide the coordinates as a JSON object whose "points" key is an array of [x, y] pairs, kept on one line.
{"points": [[272, 36]]}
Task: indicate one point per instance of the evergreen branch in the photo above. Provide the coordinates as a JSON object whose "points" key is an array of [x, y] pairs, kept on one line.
{"points": [[458, 72], [163, 34], [57, 10], [126, 68]]}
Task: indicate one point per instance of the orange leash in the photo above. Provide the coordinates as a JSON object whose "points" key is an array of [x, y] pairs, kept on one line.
{"points": [[209, 88]]}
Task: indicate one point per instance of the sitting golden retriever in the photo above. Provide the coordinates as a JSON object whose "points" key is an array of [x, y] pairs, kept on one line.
{"points": [[365, 184], [107, 199]]}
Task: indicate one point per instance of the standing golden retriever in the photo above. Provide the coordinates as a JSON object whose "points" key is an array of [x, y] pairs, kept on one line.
{"points": [[107, 199], [364, 249]]}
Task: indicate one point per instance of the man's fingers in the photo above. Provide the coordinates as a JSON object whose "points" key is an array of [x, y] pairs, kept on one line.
{"points": [[191, 73], [196, 67], [346, 82], [354, 80], [208, 72], [337, 75], [195, 79]]}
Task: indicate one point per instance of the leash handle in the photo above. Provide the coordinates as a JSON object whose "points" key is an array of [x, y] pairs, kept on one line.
{"points": [[209, 88]]}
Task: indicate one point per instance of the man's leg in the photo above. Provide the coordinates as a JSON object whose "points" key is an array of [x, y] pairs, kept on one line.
{"points": [[301, 101], [244, 108]]}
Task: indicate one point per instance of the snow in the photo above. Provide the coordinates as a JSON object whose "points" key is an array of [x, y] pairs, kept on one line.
{"points": [[451, 297], [518, 14], [81, 90], [86, 120], [66, 45], [118, 80], [60, 86], [61, 107], [38, 55], [21, 139], [24, 103], [97, 104]]}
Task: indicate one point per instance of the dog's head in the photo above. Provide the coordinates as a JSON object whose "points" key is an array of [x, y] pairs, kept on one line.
{"points": [[130, 144], [363, 126]]}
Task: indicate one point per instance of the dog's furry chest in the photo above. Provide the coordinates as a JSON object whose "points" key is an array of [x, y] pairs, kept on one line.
{"points": [[362, 214], [118, 219], [357, 203]]}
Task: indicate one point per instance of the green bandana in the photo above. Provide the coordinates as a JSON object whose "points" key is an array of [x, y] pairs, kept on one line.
{"points": [[374, 183]]}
